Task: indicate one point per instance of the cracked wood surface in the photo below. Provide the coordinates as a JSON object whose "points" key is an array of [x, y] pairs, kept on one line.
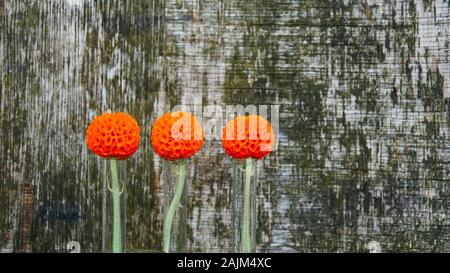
{"points": [[363, 86]]}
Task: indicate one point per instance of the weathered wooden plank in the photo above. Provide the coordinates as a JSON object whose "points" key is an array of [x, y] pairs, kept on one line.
{"points": [[364, 119]]}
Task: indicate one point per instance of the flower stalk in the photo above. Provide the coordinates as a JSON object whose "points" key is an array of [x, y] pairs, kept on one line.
{"points": [[174, 205], [246, 241], [117, 243]]}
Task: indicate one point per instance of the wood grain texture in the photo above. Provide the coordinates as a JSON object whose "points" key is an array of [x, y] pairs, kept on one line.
{"points": [[27, 218], [363, 92]]}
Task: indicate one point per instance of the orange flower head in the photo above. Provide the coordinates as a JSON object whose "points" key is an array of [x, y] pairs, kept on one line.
{"points": [[248, 136], [177, 135], [113, 135]]}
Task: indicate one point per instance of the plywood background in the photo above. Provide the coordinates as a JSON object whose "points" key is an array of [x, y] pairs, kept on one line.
{"points": [[362, 86]]}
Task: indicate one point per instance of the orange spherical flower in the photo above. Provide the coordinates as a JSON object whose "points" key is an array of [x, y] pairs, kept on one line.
{"points": [[177, 135], [113, 135], [249, 136]]}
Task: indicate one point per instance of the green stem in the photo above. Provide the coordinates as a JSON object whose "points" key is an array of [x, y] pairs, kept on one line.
{"points": [[117, 244], [245, 243], [173, 206]]}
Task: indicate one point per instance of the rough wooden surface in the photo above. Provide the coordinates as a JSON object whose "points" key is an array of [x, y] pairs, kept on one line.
{"points": [[362, 86], [27, 216]]}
